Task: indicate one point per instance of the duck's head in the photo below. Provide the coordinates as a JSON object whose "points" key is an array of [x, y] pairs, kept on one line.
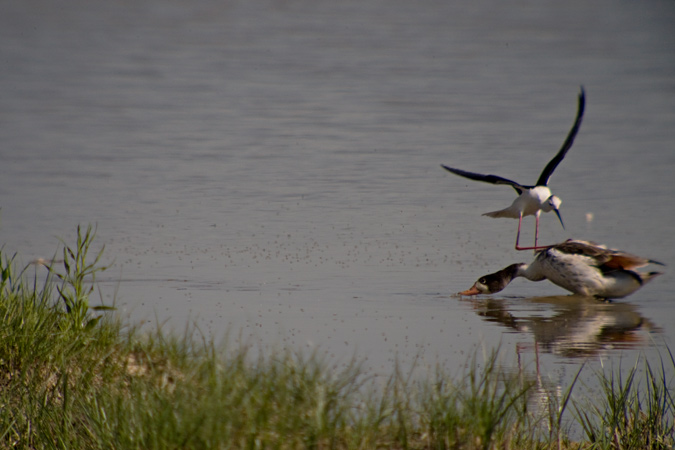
{"points": [[488, 284], [553, 204], [479, 287], [493, 282]]}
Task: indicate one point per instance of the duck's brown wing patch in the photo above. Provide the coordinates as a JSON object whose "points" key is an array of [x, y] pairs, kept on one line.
{"points": [[625, 261], [608, 258], [599, 254]]}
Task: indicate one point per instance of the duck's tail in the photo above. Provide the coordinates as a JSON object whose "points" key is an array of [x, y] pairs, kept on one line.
{"points": [[649, 276]]}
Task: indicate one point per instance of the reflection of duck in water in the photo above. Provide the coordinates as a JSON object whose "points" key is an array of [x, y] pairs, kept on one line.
{"points": [[581, 267], [567, 326], [577, 326]]}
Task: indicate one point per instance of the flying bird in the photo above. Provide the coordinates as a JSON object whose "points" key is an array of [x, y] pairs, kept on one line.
{"points": [[581, 267], [531, 200]]}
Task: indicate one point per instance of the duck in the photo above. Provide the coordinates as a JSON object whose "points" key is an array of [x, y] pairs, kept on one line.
{"points": [[581, 267], [531, 200]]}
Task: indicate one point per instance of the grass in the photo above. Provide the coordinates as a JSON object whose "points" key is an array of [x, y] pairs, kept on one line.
{"points": [[73, 376], [631, 416]]}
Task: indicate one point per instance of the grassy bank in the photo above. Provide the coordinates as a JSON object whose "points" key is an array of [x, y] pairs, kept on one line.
{"points": [[72, 376]]}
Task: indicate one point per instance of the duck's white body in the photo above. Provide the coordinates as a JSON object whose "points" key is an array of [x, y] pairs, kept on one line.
{"points": [[583, 273], [581, 267]]}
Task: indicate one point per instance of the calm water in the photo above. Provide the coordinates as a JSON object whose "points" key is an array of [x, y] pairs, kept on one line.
{"points": [[271, 168]]}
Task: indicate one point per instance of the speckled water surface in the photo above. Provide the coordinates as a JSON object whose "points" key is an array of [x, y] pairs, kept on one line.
{"points": [[271, 169]]}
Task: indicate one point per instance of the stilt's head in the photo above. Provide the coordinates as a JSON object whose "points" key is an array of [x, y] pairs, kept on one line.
{"points": [[494, 282], [553, 204]]}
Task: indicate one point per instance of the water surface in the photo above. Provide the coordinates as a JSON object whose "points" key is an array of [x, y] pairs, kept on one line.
{"points": [[271, 168]]}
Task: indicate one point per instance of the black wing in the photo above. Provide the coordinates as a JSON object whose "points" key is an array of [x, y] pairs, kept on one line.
{"points": [[552, 164], [494, 179]]}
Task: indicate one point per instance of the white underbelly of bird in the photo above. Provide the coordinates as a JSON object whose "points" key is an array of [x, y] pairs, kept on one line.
{"points": [[529, 203]]}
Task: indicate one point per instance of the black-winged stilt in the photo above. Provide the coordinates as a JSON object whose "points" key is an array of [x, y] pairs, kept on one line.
{"points": [[531, 199]]}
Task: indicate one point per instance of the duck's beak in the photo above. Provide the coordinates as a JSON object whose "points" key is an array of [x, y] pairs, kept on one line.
{"points": [[472, 291], [557, 213]]}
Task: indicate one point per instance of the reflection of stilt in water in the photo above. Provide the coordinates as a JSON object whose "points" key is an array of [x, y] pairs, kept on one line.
{"points": [[546, 395], [520, 346], [541, 394]]}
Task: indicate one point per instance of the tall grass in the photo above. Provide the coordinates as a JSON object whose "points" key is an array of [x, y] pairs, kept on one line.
{"points": [[485, 408], [636, 411], [72, 376], [78, 279]]}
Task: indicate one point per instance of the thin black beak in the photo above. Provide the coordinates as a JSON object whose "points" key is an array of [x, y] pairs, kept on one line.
{"points": [[557, 213]]}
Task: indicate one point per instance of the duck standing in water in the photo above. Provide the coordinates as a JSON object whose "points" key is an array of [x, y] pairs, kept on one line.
{"points": [[531, 200], [581, 267]]}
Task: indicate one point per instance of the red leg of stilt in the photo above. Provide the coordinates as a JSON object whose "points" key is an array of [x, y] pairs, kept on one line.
{"points": [[536, 358], [536, 236], [536, 230], [520, 221]]}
